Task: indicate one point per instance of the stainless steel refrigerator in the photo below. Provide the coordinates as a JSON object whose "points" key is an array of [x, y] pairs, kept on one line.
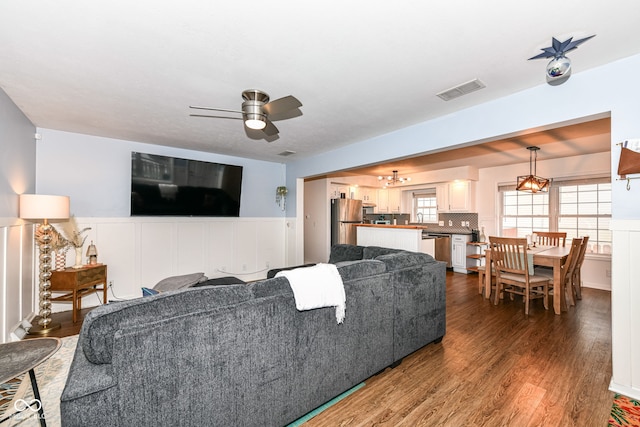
{"points": [[344, 214]]}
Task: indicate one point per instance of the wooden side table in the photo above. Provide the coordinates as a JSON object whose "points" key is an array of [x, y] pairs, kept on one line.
{"points": [[78, 282]]}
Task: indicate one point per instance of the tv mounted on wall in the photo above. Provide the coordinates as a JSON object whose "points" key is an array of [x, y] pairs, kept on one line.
{"points": [[170, 186]]}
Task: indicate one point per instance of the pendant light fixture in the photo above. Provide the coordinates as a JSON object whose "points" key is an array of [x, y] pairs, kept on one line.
{"points": [[532, 183], [393, 179]]}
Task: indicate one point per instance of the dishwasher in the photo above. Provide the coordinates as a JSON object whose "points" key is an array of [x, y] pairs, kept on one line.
{"points": [[442, 247]]}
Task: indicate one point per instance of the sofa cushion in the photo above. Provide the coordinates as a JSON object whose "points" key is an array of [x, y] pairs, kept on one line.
{"points": [[372, 252], [350, 270], [404, 259], [345, 253], [102, 323], [179, 282]]}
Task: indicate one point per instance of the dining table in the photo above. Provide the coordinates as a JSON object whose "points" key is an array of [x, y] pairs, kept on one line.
{"points": [[544, 256]]}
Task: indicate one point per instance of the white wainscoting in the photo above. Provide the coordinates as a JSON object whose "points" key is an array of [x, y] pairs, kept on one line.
{"points": [[625, 307], [141, 251], [16, 275]]}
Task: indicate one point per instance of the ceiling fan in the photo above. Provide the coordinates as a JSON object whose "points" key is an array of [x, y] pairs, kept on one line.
{"points": [[256, 110]]}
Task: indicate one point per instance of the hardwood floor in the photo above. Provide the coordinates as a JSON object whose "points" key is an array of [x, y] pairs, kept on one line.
{"points": [[495, 367], [67, 327]]}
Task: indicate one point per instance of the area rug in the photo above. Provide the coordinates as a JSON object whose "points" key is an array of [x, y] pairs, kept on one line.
{"points": [[624, 412], [51, 376]]}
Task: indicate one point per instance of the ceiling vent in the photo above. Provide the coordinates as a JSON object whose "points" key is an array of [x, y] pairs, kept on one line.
{"points": [[463, 89], [286, 153]]}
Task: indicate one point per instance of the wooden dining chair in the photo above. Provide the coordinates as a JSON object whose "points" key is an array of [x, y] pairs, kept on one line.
{"points": [[482, 271], [514, 271], [551, 238], [576, 280], [566, 272]]}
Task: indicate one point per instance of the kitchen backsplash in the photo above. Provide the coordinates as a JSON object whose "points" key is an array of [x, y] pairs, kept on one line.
{"points": [[456, 223], [400, 218], [457, 218]]}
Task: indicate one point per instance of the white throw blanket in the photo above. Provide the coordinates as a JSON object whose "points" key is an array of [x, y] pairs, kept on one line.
{"points": [[316, 287]]}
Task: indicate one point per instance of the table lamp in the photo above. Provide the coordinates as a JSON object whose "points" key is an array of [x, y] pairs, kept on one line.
{"points": [[92, 254], [44, 207]]}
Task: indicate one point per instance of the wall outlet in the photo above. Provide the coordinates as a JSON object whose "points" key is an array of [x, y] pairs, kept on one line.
{"points": [[441, 223], [461, 223], [608, 273]]}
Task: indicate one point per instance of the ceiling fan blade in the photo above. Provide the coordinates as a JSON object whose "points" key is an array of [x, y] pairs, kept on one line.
{"points": [[214, 109], [281, 105], [270, 129], [215, 117]]}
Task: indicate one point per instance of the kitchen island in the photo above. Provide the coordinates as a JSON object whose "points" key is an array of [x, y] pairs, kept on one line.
{"points": [[406, 237]]}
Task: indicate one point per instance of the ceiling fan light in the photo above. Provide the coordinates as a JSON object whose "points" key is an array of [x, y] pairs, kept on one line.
{"points": [[257, 124]]}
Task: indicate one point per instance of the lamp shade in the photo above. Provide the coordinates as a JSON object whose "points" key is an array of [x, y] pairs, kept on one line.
{"points": [[40, 206]]}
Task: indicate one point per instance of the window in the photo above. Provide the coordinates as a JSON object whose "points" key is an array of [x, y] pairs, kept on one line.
{"points": [[580, 207], [524, 212], [425, 206], [585, 210]]}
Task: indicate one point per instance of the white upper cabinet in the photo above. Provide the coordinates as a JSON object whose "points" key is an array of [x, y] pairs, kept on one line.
{"points": [[394, 200], [383, 201], [389, 200], [457, 196], [366, 194]]}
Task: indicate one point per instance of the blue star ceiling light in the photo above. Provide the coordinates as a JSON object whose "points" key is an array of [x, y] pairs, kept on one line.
{"points": [[559, 69]]}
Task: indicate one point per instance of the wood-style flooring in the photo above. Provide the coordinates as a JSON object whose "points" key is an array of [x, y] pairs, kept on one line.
{"points": [[494, 367]]}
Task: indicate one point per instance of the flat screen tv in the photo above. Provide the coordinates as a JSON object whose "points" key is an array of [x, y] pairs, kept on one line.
{"points": [[171, 186]]}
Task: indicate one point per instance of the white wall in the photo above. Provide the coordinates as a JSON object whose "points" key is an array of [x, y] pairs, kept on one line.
{"points": [[140, 251], [96, 173], [17, 166]]}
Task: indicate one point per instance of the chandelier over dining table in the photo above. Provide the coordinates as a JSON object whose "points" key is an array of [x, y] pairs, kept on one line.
{"points": [[532, 183]]}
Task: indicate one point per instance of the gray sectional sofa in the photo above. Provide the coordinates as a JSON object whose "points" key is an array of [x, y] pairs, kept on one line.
{"points": [[242, 355]]}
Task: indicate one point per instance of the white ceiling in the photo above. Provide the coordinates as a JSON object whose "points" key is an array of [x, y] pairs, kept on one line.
{"points": [[130, 69]]}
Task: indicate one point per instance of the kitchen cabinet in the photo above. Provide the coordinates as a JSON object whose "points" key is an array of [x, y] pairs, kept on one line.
{"points": [[389, 200], [383, 201], [457, 196], [394, 200], [367, 194], [336, 189], [459, 252]]}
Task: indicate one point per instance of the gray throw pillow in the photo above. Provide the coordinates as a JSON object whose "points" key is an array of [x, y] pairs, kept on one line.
{"points": [[179, 282]]}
